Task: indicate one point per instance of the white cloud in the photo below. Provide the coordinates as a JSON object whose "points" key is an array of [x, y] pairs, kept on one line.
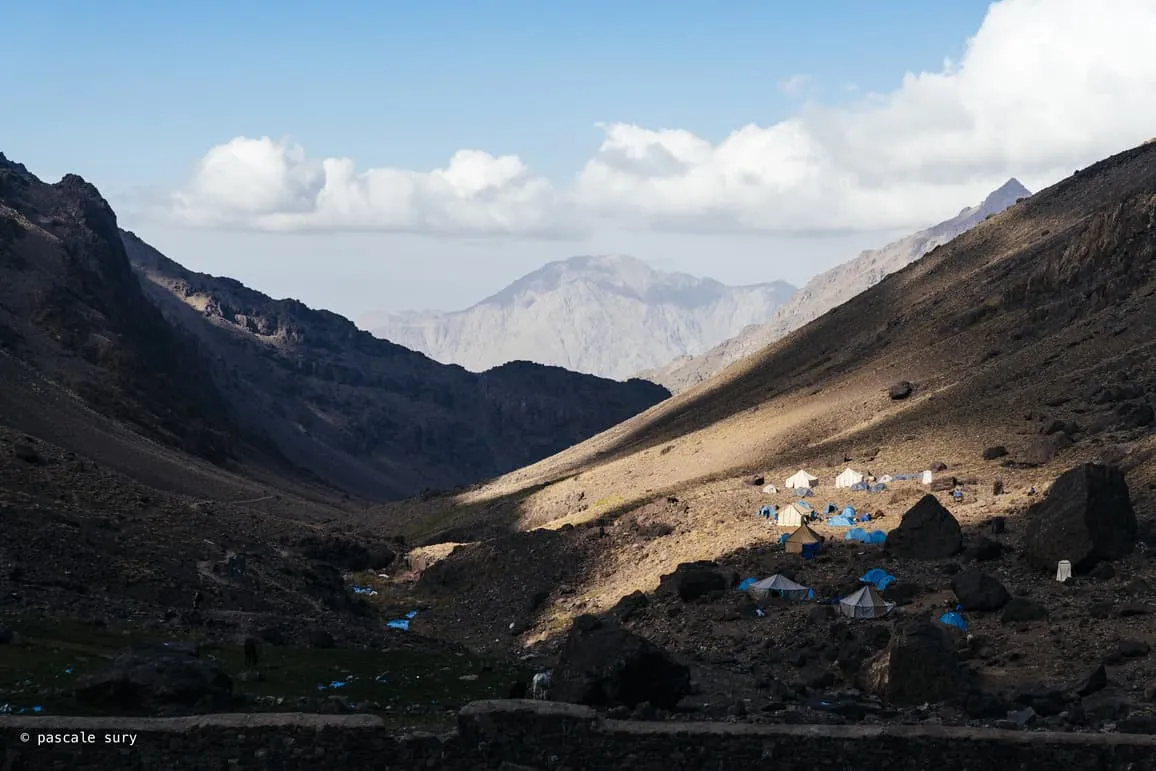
{"points": [[794, 84], [1044, 87], [272, 185]]}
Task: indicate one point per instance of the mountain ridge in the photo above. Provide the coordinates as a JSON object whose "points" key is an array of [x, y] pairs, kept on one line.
{"points": [[830, 289], [602, 314]]}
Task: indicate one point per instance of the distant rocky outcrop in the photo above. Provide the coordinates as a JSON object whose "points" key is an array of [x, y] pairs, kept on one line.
{"points": [[606, 315], [829, 290]]}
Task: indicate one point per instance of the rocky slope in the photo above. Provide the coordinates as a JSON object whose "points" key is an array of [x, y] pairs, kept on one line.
{"points": [[829, 290], [206, 366], [610, 316], [364, 414]]}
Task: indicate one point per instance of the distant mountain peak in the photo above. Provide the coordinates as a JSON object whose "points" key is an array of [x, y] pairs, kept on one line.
{"points": [[606, 314]]}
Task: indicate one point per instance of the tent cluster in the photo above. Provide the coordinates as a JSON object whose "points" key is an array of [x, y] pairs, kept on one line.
{"points": [[802, 482], [865, 603]]}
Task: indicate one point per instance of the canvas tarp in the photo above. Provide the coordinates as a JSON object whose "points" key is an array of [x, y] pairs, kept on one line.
{"points": [[865, 603], [848, 477], [778, 586], [802, 479], [792, 515]]}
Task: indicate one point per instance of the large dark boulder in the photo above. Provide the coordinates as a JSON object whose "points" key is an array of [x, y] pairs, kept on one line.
{"points": [[900, 390], [604, 665], [149, 680], [918, 666], [927, 531], [693, 580], [1087, 517], [977, 590]]}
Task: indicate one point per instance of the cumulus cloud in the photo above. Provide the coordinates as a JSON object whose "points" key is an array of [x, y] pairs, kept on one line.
{"points": [[1044, 87], [273, 185]]}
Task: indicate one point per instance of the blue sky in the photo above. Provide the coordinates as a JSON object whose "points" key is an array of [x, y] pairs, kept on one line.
{"points": [[131, 95]]}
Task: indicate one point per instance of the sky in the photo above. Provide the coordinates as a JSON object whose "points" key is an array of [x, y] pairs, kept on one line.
{"points": [[397, 155]]}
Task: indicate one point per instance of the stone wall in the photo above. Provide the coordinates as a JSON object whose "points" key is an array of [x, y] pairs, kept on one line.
{"points": [[523, 735]]}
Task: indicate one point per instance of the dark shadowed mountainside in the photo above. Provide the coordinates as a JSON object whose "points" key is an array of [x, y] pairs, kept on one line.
{"points": [[367, 415]]}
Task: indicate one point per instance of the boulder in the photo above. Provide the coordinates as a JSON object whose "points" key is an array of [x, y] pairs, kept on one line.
{"points": [[900, 390], [927, 531], [144, 681], [693, 580], [984, 549], [937, 466], [1042, 449], [997, 487], [993, 453], [918, 666], [320, 638], [1135, 414], [1021, 609], [630, 605], [1087, 518], [977, 590], [943, 484], [604, 665]]}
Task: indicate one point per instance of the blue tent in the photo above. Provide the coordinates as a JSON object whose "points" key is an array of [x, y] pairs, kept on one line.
{"points": [[878, 577], [831, 509], [810, 550], [746, 584], [864, 517], [878, 487], [861, 535], [840, 521], [783, 538], [859, 487], [768, 512], [849, 511], [803, 492], [953, 618], [805, 505]]}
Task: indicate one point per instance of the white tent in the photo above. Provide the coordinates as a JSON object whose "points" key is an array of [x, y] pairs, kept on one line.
{"points": [[792, 515], [802, 479], [865, 603], [926, 477], [778, 586], [770, 489], [848, 477]]}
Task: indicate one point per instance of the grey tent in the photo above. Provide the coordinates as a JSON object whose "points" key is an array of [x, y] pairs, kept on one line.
{"points": [[778, 586], [865, 603]]}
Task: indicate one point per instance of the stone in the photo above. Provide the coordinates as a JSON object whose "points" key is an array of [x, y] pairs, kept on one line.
{"points": [[1021, 609], [1103, 572], [1137, 724], [630, 606], [900, 390], [1135, 414], [994, 453], [145, 680], [977, 590], [1096, 680], [320, 638], [984, 549], [937, 466], [927, 531], [693, 580], [604, 665], [1042, 449], [1086, 518], [1106, 705], [918, 666]]}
